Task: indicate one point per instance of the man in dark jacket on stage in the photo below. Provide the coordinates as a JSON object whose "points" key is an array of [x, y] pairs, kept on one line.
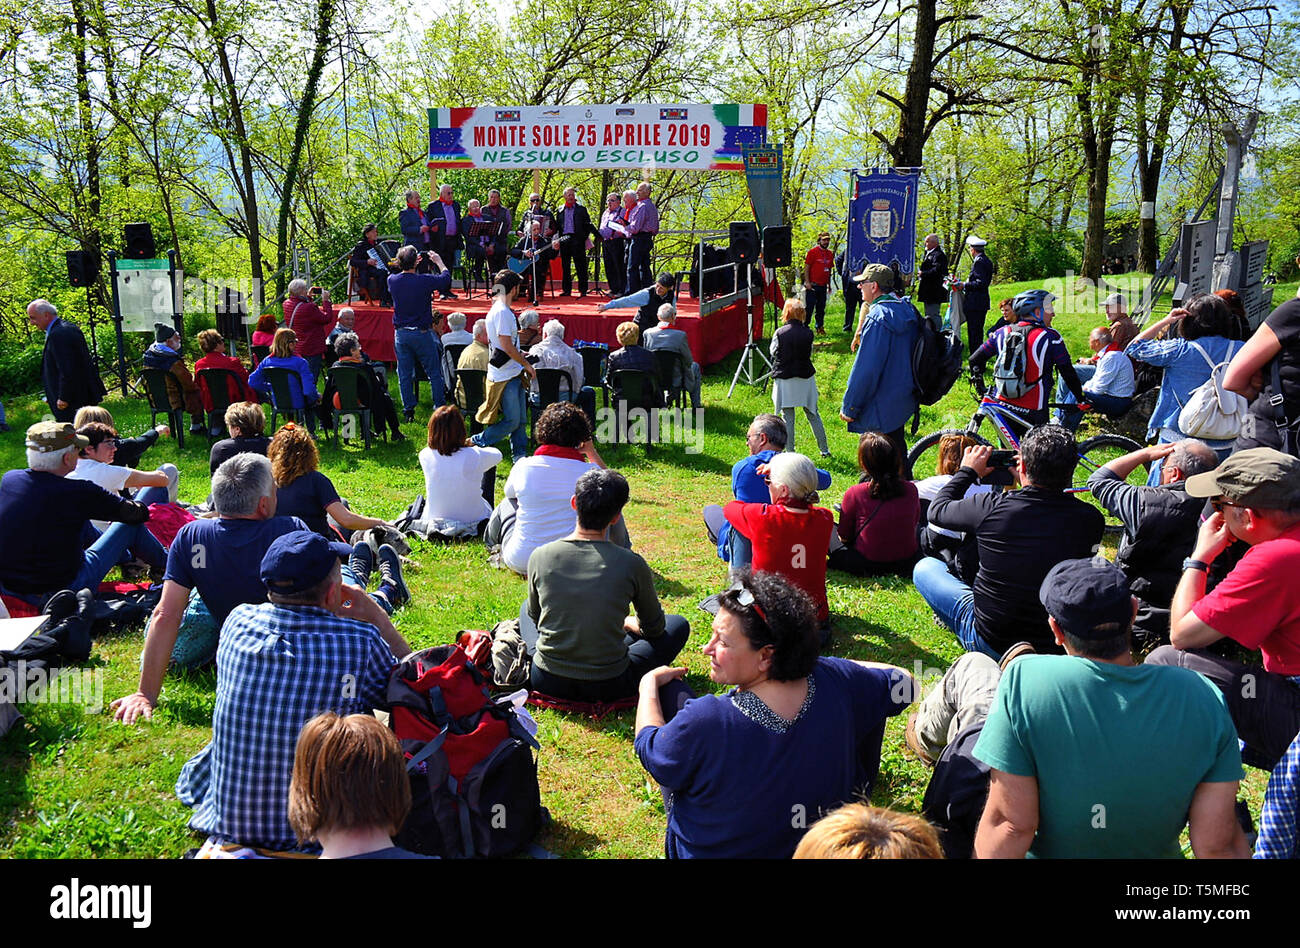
{"points": [[372, 273], [66, 367], [444, 230], [575, 224], [934, 267]]}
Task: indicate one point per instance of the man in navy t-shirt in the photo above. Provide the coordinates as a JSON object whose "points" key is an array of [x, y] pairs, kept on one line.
{"points": [[220, 559]]}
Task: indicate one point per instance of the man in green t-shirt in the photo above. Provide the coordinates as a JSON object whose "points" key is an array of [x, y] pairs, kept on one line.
{"points": [[1094, 756]]}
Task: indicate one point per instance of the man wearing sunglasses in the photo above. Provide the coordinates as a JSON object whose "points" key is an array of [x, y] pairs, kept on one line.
{"points": [[1256, 499]]}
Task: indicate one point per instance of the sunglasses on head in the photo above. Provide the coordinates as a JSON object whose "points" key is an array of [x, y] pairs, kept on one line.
{"points": [[746, 598]]}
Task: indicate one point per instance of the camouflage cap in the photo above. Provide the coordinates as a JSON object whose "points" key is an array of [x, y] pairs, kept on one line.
{"points": [[47, 436]]}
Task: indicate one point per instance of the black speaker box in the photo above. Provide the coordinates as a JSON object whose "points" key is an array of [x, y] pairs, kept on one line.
{"points": [[83, 268], [776, 246], [139, 242], [744, 242]]}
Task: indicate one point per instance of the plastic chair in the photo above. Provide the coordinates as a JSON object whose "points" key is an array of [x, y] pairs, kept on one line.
{"points": [[474, 382], [593, 369], [217, 382], [259, 353], [451, 359], [548, 393], [633, 389], [346, 380], [670, 363], [282, 396], [160, 403]]}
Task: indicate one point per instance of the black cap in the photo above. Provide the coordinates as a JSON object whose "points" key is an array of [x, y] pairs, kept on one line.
{"points": [[163, 331], [295, 562], [1082, 595]]}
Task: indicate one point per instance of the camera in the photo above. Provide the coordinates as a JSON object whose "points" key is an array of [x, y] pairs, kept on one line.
{"points": [[1002, 459]]}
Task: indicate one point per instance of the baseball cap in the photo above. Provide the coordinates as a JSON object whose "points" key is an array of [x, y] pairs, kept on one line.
{"points": [[1084, 594], [47, 436], [878, 274], [1262, 478], [298, 561]]}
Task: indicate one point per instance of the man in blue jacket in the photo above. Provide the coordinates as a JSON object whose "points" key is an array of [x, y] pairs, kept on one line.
{"points": [[879, 395]]}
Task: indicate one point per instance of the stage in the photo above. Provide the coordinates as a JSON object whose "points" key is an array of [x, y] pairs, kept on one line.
{"points": [[713, 334]]}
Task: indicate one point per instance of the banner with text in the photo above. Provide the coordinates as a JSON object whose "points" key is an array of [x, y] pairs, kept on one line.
{"points": [[882, 220], [693, 136], [764, 175]]}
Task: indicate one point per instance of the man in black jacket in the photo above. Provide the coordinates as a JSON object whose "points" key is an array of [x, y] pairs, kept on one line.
{"points": [[975, 291], [574, 223], [1160, 525], [66, 368], [445, 236], [934, 267], [1021, 535]]}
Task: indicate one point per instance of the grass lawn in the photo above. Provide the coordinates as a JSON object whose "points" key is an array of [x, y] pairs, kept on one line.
{"points": [[75, 784]]}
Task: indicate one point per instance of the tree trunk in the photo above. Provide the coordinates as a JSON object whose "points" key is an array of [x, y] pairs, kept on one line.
{"points": [[909, 145], [92, 238], [325, 15]]}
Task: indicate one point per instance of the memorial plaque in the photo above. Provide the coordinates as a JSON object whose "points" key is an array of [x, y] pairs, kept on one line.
{"points": [[1196, 256], [1254, 256], [1257, 300]]}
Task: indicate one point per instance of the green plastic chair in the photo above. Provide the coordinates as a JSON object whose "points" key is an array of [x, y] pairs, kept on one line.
{"points": [[670, 362], [218, 385], [474, 382], [548, 393], [282, 397], [634, 389], [160, 403], [347, 380]]}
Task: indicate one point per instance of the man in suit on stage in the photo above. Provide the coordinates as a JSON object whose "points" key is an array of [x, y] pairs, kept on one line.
{"points": [[70, 378], [499, 214], [574, 223], [934, 267], [444, 230], [414, 223]]}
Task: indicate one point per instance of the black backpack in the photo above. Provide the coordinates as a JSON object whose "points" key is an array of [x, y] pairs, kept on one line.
{"points": [[936, 363]]}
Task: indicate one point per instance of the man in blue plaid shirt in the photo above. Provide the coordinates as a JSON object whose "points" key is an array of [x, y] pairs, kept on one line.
{"points": [[1278, 834], [316, 646]]}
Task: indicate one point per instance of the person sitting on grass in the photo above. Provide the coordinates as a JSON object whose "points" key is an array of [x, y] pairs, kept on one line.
{"points": [[45, 521], [859, 831], [304, 491], [349, 791], [791, 534], [316, 644], [1092, 756], [95, 464], [536, 508], [129, 450], [302, 384], [245, 421], [456, 473], [1109, 386], [585, 644], [877, 528], [765, 438], [212, 567], [796, 736]]}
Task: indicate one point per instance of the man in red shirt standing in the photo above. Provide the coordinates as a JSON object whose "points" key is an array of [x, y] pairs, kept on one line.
{"points": [[817, 266], [1256, 499], [310, 322]]}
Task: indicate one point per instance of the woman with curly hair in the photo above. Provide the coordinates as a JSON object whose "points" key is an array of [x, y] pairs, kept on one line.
{"points": [[795, 735], [305, 492], [877, 526]]}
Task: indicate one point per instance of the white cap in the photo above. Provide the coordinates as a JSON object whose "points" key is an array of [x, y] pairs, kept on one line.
{"points": [[973, 241]]}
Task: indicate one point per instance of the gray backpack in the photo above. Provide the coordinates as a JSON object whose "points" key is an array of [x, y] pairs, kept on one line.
{"points": [[1013, 364]]}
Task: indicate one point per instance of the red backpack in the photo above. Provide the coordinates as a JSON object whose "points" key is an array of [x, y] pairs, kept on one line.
{"points": [[473, 777]]}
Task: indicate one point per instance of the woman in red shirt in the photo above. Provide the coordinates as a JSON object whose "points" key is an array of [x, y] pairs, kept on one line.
{"points": [[214, 357], [878, 515], [790, 534]]}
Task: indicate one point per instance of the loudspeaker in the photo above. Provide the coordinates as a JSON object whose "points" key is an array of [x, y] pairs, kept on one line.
{"points": [[744, 242], [776, 246], [83, 268], [139, 242]]}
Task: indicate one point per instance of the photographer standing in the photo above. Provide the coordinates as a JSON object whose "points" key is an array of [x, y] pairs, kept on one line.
{"points": [[309, 321], [414, 336]]}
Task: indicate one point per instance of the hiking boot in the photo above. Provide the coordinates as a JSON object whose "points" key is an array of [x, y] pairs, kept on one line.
{"points": [[914, 742], [362, 563], [409, 414], [390, 569], [1011, 654]]}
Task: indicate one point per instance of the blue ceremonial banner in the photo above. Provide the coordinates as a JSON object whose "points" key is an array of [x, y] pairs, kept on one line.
{"points": [[882, 220]]}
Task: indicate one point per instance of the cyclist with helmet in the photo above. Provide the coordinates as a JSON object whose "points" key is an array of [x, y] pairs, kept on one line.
{"points": [[1026, 351]]}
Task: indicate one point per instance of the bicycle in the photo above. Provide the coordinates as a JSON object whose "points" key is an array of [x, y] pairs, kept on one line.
{"points": [[1094, 452]]}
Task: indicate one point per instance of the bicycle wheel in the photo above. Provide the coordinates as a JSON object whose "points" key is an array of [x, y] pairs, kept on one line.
{"points": [[1097, 451], [923, 459]]}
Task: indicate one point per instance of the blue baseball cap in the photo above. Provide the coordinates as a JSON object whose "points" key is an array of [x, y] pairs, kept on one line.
{"points": [[298, 561], [1085, 595]]}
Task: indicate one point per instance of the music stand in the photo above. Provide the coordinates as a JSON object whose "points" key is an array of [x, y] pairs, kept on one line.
{"points": [[479, 229]]}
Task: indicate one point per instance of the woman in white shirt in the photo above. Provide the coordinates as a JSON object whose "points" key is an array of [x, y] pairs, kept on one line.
{"points": [[454, 468], [539, 493]]}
